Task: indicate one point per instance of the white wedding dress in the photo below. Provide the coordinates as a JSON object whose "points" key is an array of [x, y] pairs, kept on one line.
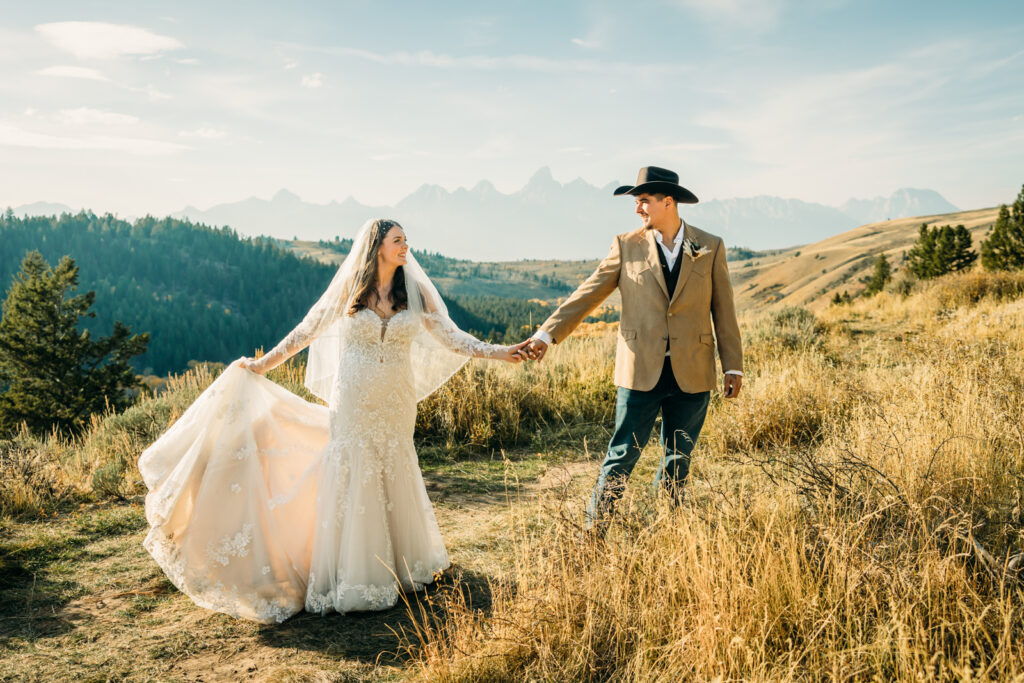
{"points": [[261, 504]]}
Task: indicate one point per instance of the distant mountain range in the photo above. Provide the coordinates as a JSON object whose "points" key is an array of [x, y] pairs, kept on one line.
{"points": [[546, 218]]}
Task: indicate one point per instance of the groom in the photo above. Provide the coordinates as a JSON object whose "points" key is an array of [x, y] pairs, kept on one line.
{"points": [[674, 283]]}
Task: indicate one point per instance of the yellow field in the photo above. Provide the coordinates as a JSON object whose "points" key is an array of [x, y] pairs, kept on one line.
{"points": [[855, 515]]}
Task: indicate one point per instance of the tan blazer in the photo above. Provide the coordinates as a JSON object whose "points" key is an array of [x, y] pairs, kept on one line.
{"points": [[652, 317]]}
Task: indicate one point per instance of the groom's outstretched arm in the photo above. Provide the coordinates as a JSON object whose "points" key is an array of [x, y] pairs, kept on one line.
{"points": [[585, 299]]}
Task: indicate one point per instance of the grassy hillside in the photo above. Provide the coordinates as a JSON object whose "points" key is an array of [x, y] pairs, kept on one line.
{"points": [[855, 515], [809, 275]]}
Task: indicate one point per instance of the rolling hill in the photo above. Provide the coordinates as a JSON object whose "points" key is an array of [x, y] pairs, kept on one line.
{"points": [[810, 275]]}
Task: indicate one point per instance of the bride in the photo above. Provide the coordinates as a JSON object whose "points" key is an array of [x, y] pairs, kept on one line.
{"points": [[261, 504]]}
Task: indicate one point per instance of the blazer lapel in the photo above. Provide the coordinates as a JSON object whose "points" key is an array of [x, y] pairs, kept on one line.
{"points": [[686, 267], [654, 262]]}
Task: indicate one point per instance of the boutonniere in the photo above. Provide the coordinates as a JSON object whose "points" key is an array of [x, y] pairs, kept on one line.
{"points": [[694, 249]]}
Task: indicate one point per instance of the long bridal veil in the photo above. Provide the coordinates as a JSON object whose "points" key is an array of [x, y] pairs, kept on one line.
{"points": [[432, 362]]}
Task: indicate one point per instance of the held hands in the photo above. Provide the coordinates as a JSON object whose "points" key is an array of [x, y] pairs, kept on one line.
{"points": [[731, 386], [533, 349], [514, 353]]}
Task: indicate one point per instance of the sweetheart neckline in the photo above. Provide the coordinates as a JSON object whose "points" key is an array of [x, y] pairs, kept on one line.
{"points": [[384, 322], [383, 319]]}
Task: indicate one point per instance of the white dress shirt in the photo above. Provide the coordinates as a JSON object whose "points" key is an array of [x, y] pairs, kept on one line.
{"points": [[670, 258], [677, 245]]}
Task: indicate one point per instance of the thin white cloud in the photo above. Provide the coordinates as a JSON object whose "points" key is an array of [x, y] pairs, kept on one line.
{"points": [[99, 40], [190, 61], [203, 133], [73, 72], [831, 115], [750, 15], [596, 36], [155, 94], [313, 80], [875, 123], [290, 64], [429, 59], [12, 136], [83, 116]]}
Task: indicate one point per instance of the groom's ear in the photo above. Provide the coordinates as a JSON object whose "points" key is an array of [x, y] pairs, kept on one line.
{"points": [[662, 197]]}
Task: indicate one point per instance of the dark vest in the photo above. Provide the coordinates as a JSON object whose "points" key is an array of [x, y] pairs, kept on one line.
{"points": [[671, 276]]}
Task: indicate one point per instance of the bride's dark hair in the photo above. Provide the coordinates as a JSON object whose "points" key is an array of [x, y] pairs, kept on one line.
{"points": [[365, 287]]}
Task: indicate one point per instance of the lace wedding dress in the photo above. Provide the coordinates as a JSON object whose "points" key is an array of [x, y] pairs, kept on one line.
{"points": [[261, 503]]}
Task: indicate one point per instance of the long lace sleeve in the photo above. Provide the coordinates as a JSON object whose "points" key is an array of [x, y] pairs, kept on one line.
{"points": [[296, 340], [448, 334]]}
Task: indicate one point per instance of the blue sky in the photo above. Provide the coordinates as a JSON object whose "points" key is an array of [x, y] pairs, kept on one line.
{"points": [[145, 107]]}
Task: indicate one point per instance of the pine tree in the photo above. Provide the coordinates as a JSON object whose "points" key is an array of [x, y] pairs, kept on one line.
{"points": [[940, 250], [51, 373], [962, 256], [1004, 247], [839, 299], [920, 259], [880, 277]]}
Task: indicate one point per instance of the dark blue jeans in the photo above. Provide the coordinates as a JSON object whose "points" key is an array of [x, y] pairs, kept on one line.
{"points": [[682, 417]]}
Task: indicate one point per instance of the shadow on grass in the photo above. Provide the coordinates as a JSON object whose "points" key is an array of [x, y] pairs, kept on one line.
{"points": [[387, 637], [34, 577]]}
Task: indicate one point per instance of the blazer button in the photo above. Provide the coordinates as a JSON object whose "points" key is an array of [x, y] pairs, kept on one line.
{"points": [[670, 315]]}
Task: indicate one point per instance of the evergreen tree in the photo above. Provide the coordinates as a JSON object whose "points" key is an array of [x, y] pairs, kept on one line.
{"points": [[953, 249], [920, 259], [880, 277], [939, 251], [839, 299], [1004, 247], [51, 373]]}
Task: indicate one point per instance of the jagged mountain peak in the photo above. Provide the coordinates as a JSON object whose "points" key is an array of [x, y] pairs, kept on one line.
{"points": [[284, 196], [542, 176]]}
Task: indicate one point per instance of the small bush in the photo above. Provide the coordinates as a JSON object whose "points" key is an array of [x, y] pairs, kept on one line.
{"points": [[791, 328], [970, 288], [33, 479]]}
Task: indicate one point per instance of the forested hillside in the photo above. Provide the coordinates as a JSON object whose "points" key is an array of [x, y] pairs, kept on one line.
{"points": [[206, 293], [202, 293]]}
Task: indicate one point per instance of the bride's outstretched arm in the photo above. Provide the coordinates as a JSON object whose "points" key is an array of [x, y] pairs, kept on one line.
{"points": [[311, 327], [448, 333], [296, 340], [445, 331]]}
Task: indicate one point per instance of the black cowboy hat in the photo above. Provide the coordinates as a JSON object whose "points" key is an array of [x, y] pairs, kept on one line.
{"points": [[654, 180]]}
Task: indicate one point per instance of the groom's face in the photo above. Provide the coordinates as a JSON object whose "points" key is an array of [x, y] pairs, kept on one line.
{"points": [[652, 209]]}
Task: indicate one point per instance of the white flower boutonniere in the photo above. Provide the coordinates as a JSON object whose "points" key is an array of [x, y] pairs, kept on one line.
{"points": [[694, 249]]}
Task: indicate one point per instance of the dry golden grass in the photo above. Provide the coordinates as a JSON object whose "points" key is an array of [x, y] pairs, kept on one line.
{"points": [[495, 405], [855, 516], [485, 407]]}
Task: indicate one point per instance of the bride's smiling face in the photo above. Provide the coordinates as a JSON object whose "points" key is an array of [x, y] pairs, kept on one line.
{"points": [[393, 250]]}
